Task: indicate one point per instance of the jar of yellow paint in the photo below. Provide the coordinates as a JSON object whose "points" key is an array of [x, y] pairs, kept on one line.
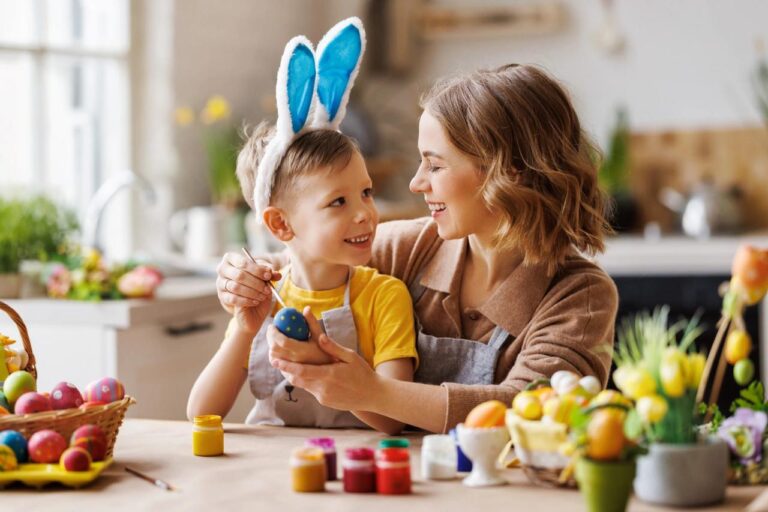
{"points": [[207, 436], [308, 469]]}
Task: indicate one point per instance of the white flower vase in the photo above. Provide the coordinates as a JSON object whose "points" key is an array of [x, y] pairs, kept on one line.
{"points": [[483, 446], [683, 475]]}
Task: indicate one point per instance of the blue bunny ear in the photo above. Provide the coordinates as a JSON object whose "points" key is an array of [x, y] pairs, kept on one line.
{"points": [[338, 62], [295, 93], [295, 85]]}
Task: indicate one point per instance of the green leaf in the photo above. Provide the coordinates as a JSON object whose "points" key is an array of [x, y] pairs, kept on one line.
{"points": [[633, 425]]}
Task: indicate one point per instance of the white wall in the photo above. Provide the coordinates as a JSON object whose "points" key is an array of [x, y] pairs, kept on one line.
{"points": [[686, 62], [686, 65]]}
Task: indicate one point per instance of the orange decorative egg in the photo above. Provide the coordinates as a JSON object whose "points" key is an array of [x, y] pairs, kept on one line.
{"points": [[750, 265], [487, 415]]}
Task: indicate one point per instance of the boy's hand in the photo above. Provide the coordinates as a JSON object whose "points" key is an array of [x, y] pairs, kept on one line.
{"points": [[305, 352]]}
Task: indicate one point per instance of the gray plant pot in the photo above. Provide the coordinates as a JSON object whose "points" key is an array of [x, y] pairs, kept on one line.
{"points": [[683, 475]]}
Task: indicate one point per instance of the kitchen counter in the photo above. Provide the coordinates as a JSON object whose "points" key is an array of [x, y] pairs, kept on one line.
{"points": [[176, 297], [678, 255], [254, 475], [156, 347]]}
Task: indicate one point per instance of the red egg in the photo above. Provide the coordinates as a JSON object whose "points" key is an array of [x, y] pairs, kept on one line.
{"points": [[32, 402], [93, 439], [104, 390], [75, 459], [46, 446], [65, 396]]}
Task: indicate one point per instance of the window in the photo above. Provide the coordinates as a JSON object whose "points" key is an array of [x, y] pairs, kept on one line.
{"points": [[64, 95]]}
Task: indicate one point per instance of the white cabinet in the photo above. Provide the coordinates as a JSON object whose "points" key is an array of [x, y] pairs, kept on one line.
{"points": [[156, 348]]}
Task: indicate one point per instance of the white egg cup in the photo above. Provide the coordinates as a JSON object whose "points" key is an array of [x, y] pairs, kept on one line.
{"points": [[483, 446]]}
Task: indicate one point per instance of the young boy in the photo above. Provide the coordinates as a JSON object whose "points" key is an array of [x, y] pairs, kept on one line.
{"points": [[322, 209]]}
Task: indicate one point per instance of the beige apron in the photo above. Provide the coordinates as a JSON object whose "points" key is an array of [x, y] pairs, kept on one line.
{"points": [[280, 403]]}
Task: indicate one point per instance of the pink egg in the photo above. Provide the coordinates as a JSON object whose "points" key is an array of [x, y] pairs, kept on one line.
{"points": [[75, 459], [46, 446], [92, 438], [104, 390], [66, 396], [32, 402]]}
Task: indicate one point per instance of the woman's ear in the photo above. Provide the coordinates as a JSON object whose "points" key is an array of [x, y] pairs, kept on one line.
{"points": [[277, 223]]}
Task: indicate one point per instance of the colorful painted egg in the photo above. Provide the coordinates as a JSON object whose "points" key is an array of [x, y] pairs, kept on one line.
{"points": [[46, 446], [104, 390], [92, 439], [16, 442], [4, 402], [66, 396], [8, 460], [292, 323], [17, 384], [4, 411], [75, 459], [32, 402]]}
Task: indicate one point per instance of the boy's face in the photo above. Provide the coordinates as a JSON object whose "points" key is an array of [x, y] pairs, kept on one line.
{"points": [[332, 215]]}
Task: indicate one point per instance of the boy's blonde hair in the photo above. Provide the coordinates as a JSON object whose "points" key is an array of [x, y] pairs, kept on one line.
{"points": [[310, 152], [519, 126]]}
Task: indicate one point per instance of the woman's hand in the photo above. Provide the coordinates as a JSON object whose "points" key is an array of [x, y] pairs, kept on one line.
{"points": [[305, 352], [243, 289], [346, 384]]}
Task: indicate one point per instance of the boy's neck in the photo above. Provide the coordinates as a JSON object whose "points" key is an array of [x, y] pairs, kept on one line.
{"points": [[318, 276]]}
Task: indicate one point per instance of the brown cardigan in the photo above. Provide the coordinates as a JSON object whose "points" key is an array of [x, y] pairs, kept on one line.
{"points": [[560, 322]]}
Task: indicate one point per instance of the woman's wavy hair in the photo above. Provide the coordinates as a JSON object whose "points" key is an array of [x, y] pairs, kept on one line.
{"points": [[518, 124]]}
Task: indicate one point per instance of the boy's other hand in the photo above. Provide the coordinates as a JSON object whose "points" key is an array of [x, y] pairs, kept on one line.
{"points": [[305, 352]]}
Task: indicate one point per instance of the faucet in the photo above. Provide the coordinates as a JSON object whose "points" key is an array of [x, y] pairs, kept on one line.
{"points": [[102, 197]]}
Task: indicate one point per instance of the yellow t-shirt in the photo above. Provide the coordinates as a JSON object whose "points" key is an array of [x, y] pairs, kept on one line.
{"points": [[381, 307]]}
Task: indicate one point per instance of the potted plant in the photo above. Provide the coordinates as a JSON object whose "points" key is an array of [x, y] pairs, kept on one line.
{"points": [[682, 467], [745, 430], [613, 175], [31, 228], [605, 442], [221, 141]]}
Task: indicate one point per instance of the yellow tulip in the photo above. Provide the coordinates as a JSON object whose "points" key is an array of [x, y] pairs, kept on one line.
{"points": [[651, 408], [674, 371], [526, 404], [696, 363], [216, 109], [184, 116], [636, 382], [610, 396]]}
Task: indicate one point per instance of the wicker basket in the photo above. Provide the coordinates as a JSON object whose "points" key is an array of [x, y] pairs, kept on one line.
{"points": [[108, 416], [536, 445]]}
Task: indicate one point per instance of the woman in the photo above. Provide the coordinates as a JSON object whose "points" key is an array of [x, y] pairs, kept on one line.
{"points": [[500, 291]]}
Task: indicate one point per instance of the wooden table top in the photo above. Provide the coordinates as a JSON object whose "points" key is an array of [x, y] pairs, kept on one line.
{"points": [[254, 475]]}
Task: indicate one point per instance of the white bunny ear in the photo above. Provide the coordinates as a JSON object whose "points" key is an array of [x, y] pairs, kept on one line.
{"points": [[295, 93], [338, 61]]}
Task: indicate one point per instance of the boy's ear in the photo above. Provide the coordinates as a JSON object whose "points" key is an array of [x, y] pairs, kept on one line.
{"points": [[277, 223]]}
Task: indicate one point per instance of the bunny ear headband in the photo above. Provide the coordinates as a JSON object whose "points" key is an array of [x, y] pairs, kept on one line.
{"points": [[306, 80]]}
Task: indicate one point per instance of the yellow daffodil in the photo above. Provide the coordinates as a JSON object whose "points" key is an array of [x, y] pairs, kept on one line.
{"points": [[696, 363], [184, 116], [635, 382], [216, 109], [673, 372], [651, 408]]}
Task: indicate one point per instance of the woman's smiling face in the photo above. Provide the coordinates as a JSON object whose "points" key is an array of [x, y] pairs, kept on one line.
{"points": [[450, 182]]}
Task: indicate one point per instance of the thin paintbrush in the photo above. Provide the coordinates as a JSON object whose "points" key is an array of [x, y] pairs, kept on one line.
{"points": [[269, 283]]}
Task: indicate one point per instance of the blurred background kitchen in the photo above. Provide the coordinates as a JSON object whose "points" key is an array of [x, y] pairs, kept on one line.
{"points": [[120, 123]]}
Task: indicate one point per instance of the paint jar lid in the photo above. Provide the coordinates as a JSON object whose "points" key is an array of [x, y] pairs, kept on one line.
{"points": [[397, 442]]}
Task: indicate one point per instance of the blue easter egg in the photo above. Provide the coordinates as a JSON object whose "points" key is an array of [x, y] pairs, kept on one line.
{"points": [[16, 442], [292, 323], [4, 402]]}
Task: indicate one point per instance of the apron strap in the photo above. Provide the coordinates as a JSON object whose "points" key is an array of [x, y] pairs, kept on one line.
{"points": [[416, 289], [349, 285], [498, 338]]}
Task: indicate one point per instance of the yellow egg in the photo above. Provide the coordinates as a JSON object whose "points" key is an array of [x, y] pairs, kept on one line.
{"points": [[526, 405]]}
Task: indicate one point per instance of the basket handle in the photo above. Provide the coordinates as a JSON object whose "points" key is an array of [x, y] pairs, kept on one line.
{"points": [[31, 365]]}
